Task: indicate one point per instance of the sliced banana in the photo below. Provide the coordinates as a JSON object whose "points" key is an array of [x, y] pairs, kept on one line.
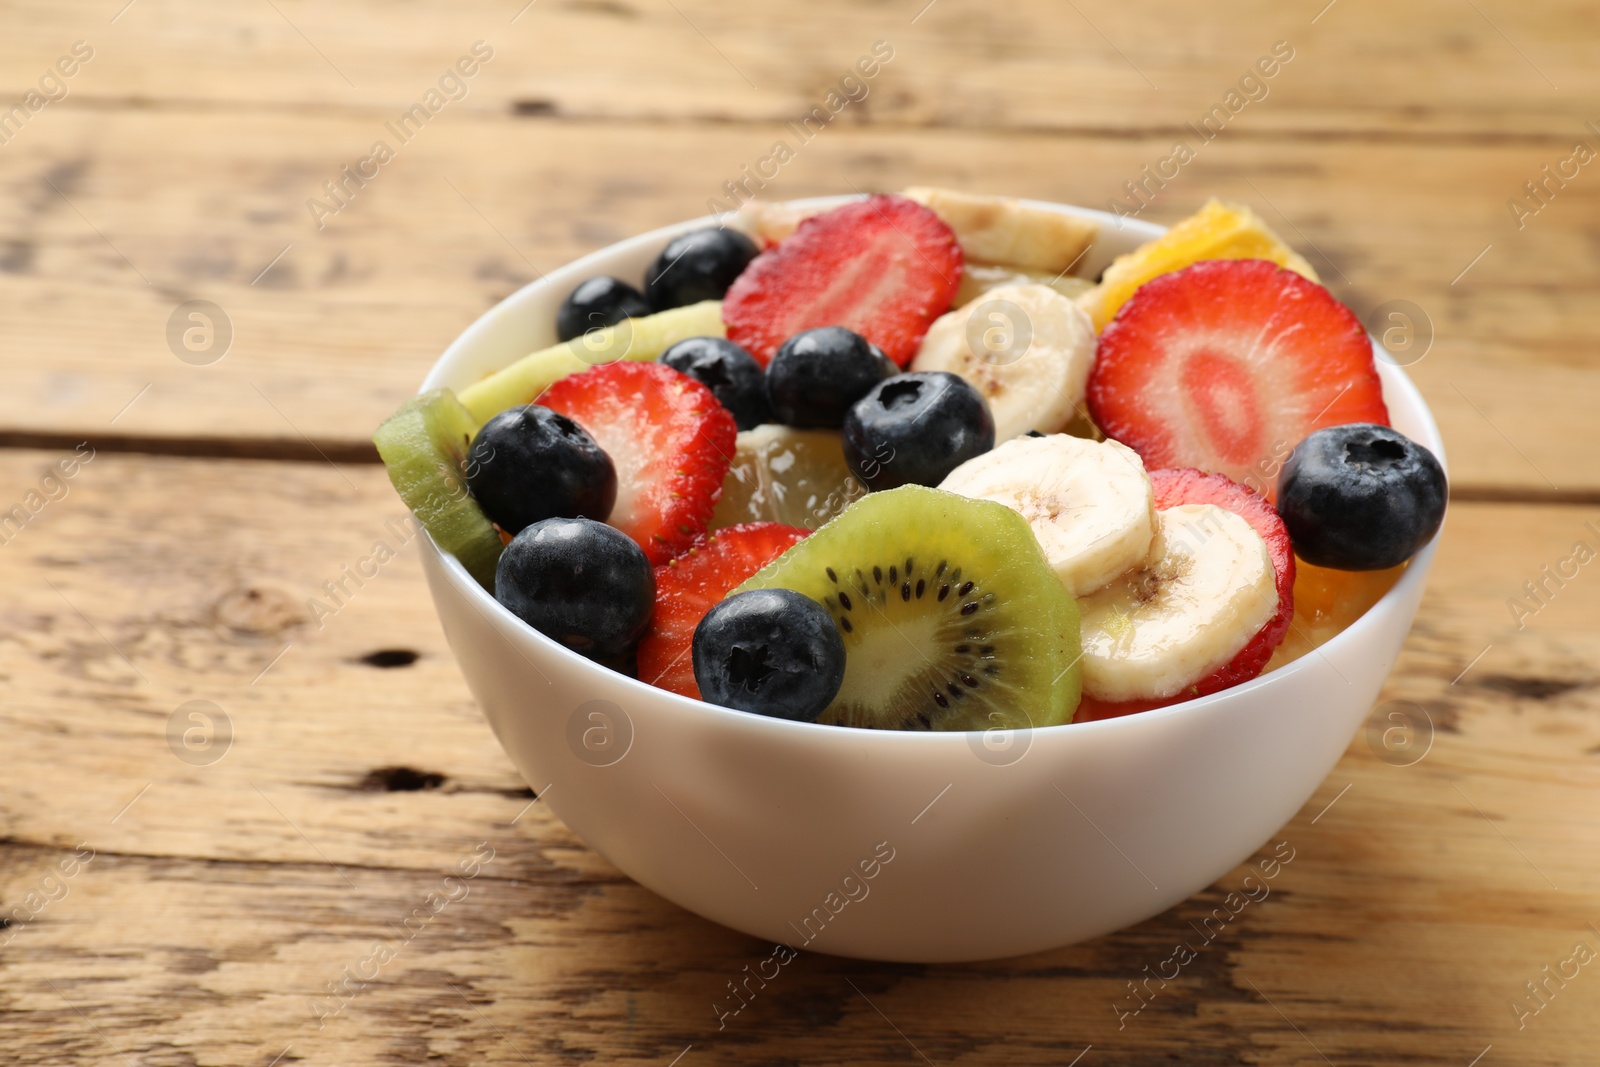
{"points": [[769, 221], [1026, 348], [996, 233], [1208, 588], [997, 229], [1089, 503], [980, 278]]}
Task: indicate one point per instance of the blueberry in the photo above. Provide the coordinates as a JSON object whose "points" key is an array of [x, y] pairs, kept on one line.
{"points": [[732, 374], [913, 429], [529, 463], [581, 582], [816, 375], [771, 651], [696, 266], [598, 303], [1360, 497]]}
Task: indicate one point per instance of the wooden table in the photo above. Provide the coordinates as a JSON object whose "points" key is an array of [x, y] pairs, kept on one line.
{"points": [[196, 909]]}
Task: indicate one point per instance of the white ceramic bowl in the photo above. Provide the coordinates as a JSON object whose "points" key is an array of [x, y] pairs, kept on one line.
{"points": [[928, 847]]}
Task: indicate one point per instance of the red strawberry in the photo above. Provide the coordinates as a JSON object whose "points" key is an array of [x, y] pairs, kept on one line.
{"points": [[1228, 364], [692, 584], [669, 439], [1189, 486], [885, 267]]}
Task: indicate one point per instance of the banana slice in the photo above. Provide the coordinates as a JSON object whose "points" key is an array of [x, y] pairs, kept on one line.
{"points": [[980, 278], [1208, 588], [1026, 348], [769, 221], [997, 229], [992, 230], [1089, 503]]}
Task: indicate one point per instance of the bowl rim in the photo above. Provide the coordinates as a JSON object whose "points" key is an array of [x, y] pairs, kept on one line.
{"points": [[1392, 376]]}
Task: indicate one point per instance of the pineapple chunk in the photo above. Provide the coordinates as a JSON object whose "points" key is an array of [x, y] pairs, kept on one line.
{"points": [[1216, 231]]}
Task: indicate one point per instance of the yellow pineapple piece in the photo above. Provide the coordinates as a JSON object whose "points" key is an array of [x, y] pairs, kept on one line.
{"points": [[1216, 231]]}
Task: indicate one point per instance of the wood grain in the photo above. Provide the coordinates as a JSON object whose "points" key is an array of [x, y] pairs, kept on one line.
{"points": [[1361, 69], [346, 322], [221, 901]]}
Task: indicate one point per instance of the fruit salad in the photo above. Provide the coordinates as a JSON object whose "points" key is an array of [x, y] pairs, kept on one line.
{"points": [[894, 465]]}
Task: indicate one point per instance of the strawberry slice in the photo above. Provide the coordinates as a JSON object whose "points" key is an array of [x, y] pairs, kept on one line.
{"points": [[1228, 364], [885, 267], [692, 584], [670, 440], [1188, 486]]}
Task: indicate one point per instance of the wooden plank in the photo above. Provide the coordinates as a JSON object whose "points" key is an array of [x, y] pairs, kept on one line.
{"points": [[1426, 69], [104, 239], [222, 897]]}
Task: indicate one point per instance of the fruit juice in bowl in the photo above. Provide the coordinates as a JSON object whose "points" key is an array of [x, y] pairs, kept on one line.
{"points": [[846, 582]]}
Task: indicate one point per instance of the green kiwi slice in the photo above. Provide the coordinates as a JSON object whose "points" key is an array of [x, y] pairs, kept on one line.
{"points": [[424, 445], [951, 618]]}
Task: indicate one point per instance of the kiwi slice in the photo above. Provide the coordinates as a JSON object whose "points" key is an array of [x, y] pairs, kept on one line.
{"points": [[424, 445], [951, 618], [641, 339]]}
